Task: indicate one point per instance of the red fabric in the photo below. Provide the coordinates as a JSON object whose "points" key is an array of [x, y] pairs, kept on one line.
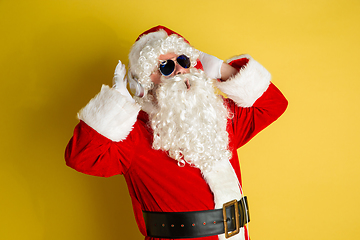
{"points": [[155, 181], [239, 63], [157, 28]]}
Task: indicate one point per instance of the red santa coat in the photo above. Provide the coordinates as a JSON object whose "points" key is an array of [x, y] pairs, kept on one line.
{"points": [[155, 181]]}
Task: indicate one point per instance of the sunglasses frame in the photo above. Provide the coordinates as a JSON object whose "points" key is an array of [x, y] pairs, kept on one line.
{"points": [[165, 62]]}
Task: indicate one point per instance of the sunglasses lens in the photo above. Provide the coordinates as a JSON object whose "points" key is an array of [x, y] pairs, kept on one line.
{"points": [[184, 61], [167, 67]]}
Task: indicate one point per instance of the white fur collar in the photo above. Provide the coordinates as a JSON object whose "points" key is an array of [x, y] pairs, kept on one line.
{"points": [[225, 186]]}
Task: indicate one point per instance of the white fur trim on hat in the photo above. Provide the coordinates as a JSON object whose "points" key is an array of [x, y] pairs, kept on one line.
{"points": [[248, 85], [110, 114]]}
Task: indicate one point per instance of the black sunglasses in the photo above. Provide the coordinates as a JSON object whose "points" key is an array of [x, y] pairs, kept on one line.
{"points": [[167, 67]]}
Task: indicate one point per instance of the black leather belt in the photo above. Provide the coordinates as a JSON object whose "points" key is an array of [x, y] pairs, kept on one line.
{"points": [[198, 223]]}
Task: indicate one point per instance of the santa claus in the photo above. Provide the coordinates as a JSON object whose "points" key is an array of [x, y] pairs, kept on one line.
{"points": [[175, 140]]}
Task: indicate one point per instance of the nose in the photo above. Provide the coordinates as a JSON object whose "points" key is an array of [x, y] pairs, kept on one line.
{"points": [[179, 69]]}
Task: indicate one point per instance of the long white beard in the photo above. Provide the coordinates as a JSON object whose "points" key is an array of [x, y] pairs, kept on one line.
{"points": [[190, 123]]}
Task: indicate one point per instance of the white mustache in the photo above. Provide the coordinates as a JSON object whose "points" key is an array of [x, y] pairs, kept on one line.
{"points": [[177, 83], [186, 81]]}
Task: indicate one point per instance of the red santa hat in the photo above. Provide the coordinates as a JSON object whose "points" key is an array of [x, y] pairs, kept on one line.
{"points": [[144, 54], [158, 28]]}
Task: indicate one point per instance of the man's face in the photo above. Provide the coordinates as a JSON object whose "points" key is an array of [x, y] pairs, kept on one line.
{"points": [[156, 76]]}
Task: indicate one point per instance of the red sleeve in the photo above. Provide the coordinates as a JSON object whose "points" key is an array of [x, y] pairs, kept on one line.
{"points": [[247, 122], [91, 153]]}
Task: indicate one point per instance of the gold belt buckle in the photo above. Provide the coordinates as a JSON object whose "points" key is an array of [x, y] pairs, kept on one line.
{"points": [[237, 229]]}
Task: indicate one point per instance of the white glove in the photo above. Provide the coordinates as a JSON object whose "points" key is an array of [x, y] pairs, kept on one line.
{"points": [[212, 65], [120, 82]]}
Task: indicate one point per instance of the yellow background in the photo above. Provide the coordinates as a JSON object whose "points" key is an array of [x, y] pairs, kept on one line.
{"points": [[301, 174]]}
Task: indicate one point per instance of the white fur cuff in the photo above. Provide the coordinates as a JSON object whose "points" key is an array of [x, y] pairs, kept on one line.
{"points": [[248, 85], [110, 114]]}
